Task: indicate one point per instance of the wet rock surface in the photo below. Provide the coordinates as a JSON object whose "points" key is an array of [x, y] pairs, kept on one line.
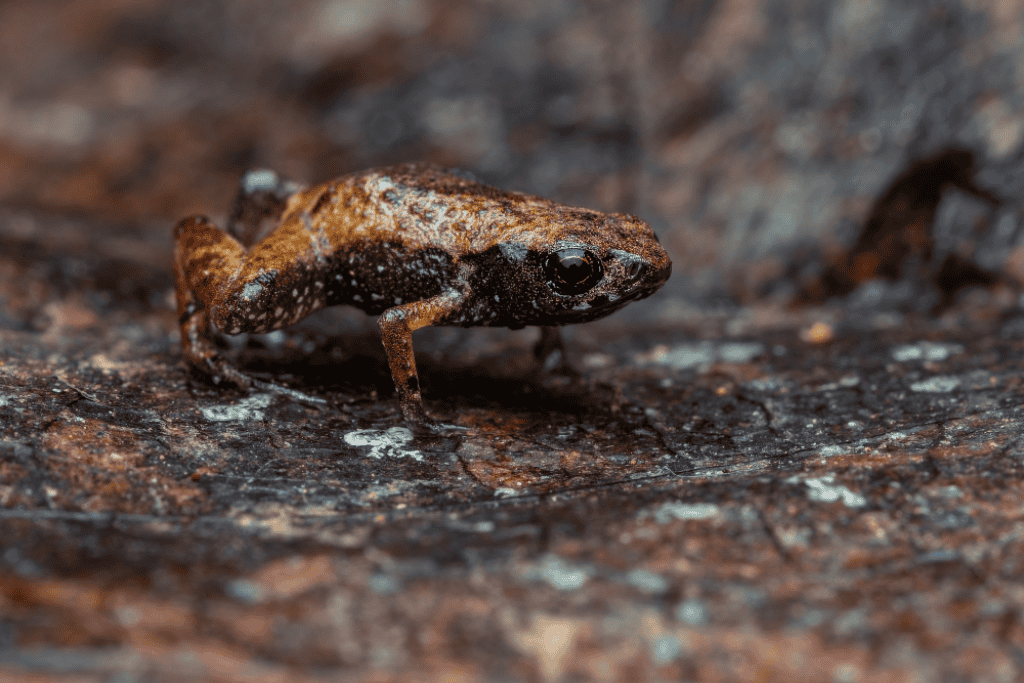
{"points": [[757, 474]]}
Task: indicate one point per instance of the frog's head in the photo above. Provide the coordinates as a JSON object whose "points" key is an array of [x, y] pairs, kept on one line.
{"points": [[586, 281], [582, 275]]}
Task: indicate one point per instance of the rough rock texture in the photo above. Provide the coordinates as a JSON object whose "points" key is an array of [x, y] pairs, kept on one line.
{"points": [[800, 461]]}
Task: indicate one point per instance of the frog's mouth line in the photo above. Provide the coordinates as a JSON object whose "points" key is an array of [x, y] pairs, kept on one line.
{"points": [[600, 307]]}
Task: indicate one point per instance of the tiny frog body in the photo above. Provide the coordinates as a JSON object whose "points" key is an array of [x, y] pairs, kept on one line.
{"points": [[416, 243]]}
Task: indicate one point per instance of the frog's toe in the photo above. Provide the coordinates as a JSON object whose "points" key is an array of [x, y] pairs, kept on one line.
{"points": [[218, 372]]}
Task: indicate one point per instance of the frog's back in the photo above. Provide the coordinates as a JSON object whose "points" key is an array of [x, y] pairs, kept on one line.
{"points": [[421, 205]]}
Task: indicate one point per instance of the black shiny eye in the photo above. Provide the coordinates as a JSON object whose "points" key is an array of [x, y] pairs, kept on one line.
{"points": [[572, 271]]}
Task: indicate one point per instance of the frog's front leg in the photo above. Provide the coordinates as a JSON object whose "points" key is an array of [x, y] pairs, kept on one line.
{"points": [[550, 344], [396, 326]]}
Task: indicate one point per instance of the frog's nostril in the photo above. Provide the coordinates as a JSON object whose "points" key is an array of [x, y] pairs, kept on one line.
{"points": [[634, 269]]}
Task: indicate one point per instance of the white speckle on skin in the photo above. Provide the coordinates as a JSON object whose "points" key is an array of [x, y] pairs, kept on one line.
{"points": [[295, 292], [358, 298], [380, 269], [250, 291], [278, 311]]}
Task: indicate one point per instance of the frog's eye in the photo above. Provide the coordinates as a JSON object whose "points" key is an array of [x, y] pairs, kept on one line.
{"points": [[572, 271]]}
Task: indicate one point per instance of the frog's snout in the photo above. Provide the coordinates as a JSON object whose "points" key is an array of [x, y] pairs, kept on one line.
{"points": [[643, 276], [652, 276], [661, 273]]}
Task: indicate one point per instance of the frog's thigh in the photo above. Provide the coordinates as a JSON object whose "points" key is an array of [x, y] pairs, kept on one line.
{"points": [[203, 255], [205, 258], [219, 272]]}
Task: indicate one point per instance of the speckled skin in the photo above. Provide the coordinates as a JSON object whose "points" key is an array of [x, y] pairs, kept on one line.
{"points": [[416, 243]]}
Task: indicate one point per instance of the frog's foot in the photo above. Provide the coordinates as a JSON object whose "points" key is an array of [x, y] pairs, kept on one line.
{"points": [[413, 412], [443, 428], [551, 356], [219, 372]]}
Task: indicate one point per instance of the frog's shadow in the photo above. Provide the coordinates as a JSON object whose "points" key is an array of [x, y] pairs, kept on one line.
{"points": [[358, 368]]}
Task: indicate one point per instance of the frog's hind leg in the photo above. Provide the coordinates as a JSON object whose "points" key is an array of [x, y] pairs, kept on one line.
{"points": [[205, 261], [262, 198]]}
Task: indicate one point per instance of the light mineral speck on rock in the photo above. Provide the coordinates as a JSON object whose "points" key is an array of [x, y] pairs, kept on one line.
{"points": [[740, 352], [244, 590], [665, 648], [765, 384], [693, 612], [680, 357], [646, 581], [685, 511], [557, 572], [384, 443], [825, 490], [382, 584], [925, 351], [936, 385], [832, 451], [247, 409]]}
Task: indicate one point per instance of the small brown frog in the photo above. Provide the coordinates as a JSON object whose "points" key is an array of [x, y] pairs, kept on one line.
{"points": [[419, 244]]}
